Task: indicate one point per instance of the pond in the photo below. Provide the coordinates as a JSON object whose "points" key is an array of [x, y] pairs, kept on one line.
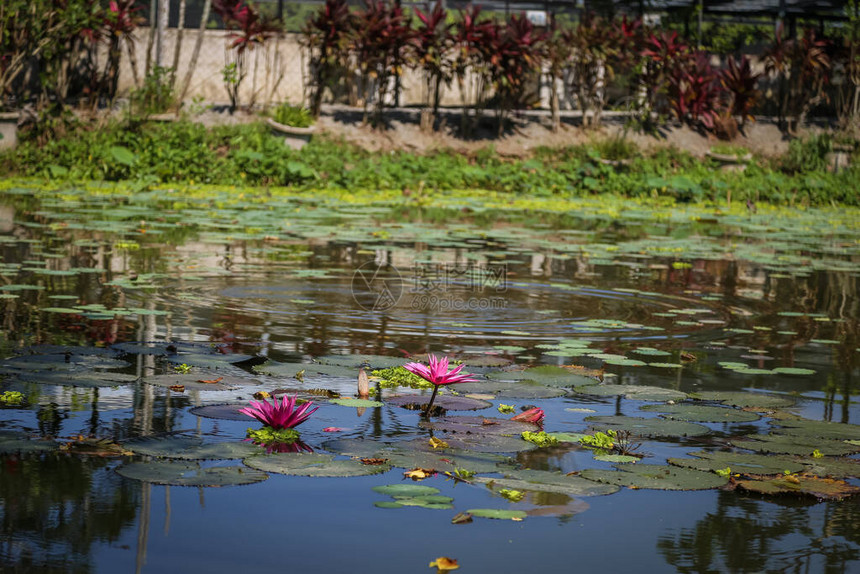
{"points": [[715, 350]]}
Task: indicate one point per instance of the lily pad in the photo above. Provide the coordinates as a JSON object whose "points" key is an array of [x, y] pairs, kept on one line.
{"points": [[545, 375], [481, 434], [302, 464], [743, 400], [175, 473], [653, 427], [816, 429], [447, 402], [192, 382], [701, 413], [738, 462], [820, 488], [657, 477], [616, 458], [547, 481], [356, 403], [636, 392], [406, 489], [523, 389], [226, 411], [208, 360], [832, 467], [370, 362], [790, 444], [310, 369], [190, 448], [15, 442], [497, 514], [418, 453]]}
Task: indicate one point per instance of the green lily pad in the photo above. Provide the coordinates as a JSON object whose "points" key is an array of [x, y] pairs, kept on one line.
{"points": [[356, 402], [653, 427], [447, 402], [741, 463], [701, 413], [636, 392], [310, 369], [523, 389], [497, 514], [656, 477], [482, 434], [790, 444], [190, 448], [816, 429], [302, 464], [621, 458], [820, 488], [387, 504], [207, 360], [418, 453], [227, 412], [793, 371], [15, 442], [743, 400], [369, 362], [546, 481], [832, 467], [406, 489], [191, 382], [175, 473], [545, 375]]}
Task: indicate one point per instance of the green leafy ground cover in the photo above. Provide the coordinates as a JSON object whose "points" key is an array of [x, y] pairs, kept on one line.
{"points": [[188, 153]]}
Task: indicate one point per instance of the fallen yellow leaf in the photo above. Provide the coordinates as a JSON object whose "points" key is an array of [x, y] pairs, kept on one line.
{"points": [[438, 443], [443, 564]]}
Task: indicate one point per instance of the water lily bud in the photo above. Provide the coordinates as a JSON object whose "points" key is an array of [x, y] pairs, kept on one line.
{"points": [[363, 385]]}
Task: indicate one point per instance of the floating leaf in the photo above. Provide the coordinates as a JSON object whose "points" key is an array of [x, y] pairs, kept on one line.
{"points": [[655, 477], [742, 463], [303, 464], [356, 403], [497, 514], [406, 489], [790, 444], [636, 392], [701, 413], [447, 402], [176, 473], [743, 400], [803, 485], [547, 481], [656, 427], [190, 448]]}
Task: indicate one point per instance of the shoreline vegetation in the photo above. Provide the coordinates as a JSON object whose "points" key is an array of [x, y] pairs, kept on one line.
{"points": [[145, 154]]}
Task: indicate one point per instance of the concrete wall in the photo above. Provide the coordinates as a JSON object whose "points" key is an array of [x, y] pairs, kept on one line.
{"points": [[281, 56]]}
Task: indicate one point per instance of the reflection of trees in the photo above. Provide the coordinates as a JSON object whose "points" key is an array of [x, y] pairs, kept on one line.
{"points": [[751, 535], [56, 506]]}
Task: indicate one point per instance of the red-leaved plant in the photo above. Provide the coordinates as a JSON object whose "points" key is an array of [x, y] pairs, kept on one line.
{"points": [[695, 90], [740, 82], [327, 38], [431, 51]]}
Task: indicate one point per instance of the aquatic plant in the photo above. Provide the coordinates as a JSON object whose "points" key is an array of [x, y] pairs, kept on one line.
{"points": [[535, 415], [11, 398], [541, 438], [283, 415], [437, 373]]}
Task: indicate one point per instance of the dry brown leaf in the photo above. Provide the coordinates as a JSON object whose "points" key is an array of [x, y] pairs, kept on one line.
{"points": [[177, 388], [419, 473], [374, 461], [210, 381], [444, 564], [438, 443]]}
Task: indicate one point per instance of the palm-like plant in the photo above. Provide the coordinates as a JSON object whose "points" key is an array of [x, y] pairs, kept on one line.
{"points": [[431, 52], [327, 37], [740, 82]]}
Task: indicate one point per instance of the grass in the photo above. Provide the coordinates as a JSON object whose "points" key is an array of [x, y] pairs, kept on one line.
{"points": [[146, 154]]}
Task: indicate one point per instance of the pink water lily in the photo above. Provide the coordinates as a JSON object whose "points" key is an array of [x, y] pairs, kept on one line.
{"points": [[438, 374], [283, 415]]}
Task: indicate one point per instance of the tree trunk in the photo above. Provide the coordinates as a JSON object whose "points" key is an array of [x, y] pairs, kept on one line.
{"points": [[180, 31], [207, 4], [163, 15]]}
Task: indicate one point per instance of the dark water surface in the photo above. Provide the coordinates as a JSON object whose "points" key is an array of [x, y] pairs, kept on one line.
{"points": [[101, 295]]}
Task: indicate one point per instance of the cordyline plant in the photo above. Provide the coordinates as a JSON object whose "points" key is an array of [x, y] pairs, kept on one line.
{"points": [[327, 38], [473, 38], [431, 52], [438, 374], [739, 82], [557, 52], [695, 91], [662, 55], [801, 66], [513, 52], [246, 30], [381, 36]]}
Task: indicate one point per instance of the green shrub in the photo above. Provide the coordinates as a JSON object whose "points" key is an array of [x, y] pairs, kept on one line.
{"points": [[294, 116]]}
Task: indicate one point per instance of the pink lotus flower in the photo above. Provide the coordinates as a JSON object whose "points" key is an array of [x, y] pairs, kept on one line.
{"points": [[437, 373], [282, 415], [534, 415]]}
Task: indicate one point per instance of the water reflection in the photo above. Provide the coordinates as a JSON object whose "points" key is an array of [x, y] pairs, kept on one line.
{"points": [[56, 508], [751, 535]]}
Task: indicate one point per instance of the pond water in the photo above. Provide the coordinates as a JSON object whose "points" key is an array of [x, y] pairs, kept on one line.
{"points": [[135, 325]]}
